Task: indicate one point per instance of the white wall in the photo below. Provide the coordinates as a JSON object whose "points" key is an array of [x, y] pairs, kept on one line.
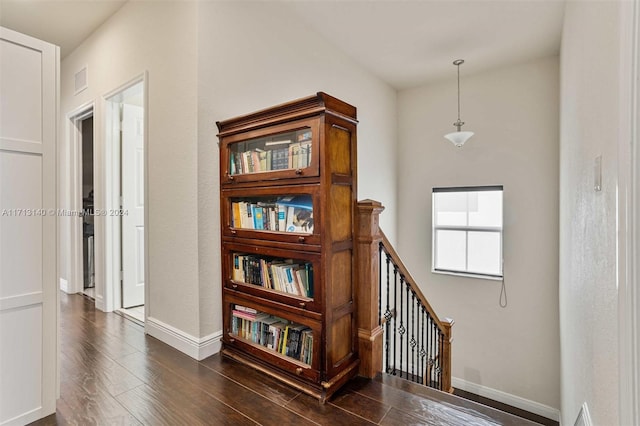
{"points": [[159, 37], [253, 55], [514, 114], [209, 61], [590, 111]]}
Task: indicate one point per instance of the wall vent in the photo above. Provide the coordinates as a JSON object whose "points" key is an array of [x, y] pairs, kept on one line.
{"points": [[583, 419], [81, 80]]}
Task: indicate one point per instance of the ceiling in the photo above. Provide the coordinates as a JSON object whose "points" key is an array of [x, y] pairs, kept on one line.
{"points": [[65, 23], [404, 42], [408, 43]]}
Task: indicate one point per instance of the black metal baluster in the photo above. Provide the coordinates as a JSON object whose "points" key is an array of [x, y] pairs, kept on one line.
{"points": [[407, 339], [436, 360], [431, 356], [413, 335], [387, 316], [441, 362], [429, 359], [401, 329], [421, 340], [395, 319]]}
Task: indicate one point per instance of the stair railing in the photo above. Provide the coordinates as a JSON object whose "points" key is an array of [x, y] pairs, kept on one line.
{"points": [[398, 330]]}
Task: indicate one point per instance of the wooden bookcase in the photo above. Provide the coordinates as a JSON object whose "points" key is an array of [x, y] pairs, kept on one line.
{"points": [[287, 197]]}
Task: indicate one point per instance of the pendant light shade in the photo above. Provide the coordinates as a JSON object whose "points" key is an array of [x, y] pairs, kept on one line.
{"points": [[458, 138]]}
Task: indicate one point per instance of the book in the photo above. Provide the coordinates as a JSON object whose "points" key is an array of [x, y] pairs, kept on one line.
{"points": [[294, 153], [301, 281], [258, 220], [245, 215], [273, 222], [255, 161], [246, 309], [262, 158], [306, 355], [282, 217], [248, 219], [242, 314], [235, 215], [305, 154], [280, 159], [238, 268], [283, 349]]}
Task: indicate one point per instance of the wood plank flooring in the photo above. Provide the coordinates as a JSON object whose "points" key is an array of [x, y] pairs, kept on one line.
{"points": [[113, 374]]}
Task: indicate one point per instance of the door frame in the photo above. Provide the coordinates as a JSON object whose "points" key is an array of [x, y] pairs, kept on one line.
{"points": [[74, 196], [628, 200], [109, 261]]}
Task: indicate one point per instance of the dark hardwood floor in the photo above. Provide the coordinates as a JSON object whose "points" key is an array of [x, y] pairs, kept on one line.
{"points": [[113, 374]]}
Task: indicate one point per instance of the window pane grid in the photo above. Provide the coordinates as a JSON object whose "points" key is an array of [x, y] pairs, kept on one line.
{"points": [[467, 231]]}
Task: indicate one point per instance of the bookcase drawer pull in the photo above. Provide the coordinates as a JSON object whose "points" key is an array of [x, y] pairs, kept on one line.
{"points": [[232, 340], [301, 239], [233, 231], [298, 171], [230, 176], [234, 285], [299, 371], [302, 304]]}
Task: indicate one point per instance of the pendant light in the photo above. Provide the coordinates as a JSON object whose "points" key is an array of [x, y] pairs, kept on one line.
{"points": [[458, 138]]}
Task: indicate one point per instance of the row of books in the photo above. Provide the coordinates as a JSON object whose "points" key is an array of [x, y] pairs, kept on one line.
{"points": [[275, 155], [285, 214], [277, 274], [289, 339]]}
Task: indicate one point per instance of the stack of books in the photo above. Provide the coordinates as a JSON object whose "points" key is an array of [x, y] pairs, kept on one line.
{"points": [[283, 275], [292, 152], [283, 336], [284, 214]]}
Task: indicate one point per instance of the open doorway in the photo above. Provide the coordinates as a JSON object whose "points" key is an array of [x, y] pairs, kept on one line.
{"points": [[125, 195], [88, 234], [77, 227]]}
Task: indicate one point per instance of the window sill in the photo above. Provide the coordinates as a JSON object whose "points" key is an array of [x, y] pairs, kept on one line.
{"points": [[468, 275]]}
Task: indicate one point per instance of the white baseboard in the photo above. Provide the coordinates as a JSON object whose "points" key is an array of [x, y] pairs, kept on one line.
{"points": [[64, 285], [197, 348], [100, 305], [25, 418], [507, 398]]}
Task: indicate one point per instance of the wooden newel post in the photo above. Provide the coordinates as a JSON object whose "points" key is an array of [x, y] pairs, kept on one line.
{"points": [[446, 355], [367, 287]]}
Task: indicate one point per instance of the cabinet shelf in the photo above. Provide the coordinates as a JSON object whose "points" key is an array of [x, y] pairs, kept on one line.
{"points": [[287, 240]]}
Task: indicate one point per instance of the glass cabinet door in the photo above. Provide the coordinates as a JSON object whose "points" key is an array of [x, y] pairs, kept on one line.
{"points": [[289, 151]]}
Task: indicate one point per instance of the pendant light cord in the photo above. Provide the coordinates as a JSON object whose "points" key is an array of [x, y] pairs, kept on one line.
{"points": [[503, 295], [458, 92]]}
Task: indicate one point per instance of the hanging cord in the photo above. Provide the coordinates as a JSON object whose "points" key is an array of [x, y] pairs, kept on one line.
{"points": [[503, 295], [458, 93]]}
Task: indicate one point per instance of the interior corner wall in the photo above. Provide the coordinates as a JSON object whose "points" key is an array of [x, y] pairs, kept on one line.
{"points": [[252, 55], [158, 37], [514, 113], [590, 110]]}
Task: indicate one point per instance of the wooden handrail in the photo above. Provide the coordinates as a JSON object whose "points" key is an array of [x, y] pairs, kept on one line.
{"points": [[369, 236]]}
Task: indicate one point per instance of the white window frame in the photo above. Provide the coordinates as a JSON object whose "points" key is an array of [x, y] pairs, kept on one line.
{"points": [[468, 228]]}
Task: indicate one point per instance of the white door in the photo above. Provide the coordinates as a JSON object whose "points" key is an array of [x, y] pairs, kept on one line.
{"points": [[28, 283], [132, 205]]}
